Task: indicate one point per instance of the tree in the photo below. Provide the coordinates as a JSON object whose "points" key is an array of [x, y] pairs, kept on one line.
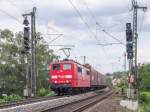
{"points": [[12, 62], [144, 77]]}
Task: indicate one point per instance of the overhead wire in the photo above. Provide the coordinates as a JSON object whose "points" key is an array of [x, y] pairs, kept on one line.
{"points": [[97, 23], [12, 3], [103, 30], [114, 37], [91, 13], [79, 14], [93, 16], [9, 15]]}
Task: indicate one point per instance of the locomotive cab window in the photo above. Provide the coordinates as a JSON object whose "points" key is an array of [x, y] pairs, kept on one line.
{"points": [[67, 66], [56, 66]]}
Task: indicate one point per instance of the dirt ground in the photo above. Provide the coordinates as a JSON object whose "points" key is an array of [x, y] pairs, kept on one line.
{"points": [[108, 105]]}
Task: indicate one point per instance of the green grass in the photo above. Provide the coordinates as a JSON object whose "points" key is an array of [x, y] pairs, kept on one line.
{"points": [[51, 93], [45, 92], [10, 98], [144, 100]]}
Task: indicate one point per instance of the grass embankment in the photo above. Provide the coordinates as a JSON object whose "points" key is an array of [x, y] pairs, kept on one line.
{"points": [[10, 98], [144, 100], [13, 97]]}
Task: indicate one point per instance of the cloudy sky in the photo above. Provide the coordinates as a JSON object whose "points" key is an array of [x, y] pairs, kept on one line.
{"points": [[76, 20]]}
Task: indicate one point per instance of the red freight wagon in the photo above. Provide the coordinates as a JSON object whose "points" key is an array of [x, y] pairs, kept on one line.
{"points": [[97, 79], [103, 80], [69, 75]]}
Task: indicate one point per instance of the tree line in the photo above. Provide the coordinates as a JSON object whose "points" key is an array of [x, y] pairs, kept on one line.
{"points": [[12, 62]]}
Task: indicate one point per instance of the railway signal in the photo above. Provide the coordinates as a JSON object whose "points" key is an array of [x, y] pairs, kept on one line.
{"points": [[129, 36], [129, 39], [33, 75], [26, 38]]}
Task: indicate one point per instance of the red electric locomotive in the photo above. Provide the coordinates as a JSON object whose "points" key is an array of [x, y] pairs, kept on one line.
{"points": [[68, 76]]}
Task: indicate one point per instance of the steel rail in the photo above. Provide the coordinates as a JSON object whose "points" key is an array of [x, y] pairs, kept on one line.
{"points": [[100, 93], [90, 104]]}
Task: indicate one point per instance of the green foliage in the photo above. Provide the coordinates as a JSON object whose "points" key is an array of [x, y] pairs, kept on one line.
{"points": [[12, 97], [144, 98], [109, 81], [147, 108], [43, 92], [144, 108], [144, 87], [51, 93], [2, 100], [144, 77], [119, 74], [13, 66]]}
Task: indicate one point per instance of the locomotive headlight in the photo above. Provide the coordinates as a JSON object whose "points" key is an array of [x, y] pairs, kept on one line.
{"points": [[67, 81], [68, 76], [54, 76]]}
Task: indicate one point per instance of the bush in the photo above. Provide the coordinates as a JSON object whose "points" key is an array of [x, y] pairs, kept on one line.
{"points": [[51, 93], [43, 92], [147, 108], [12, 97], [2, 100], [144, 98]]}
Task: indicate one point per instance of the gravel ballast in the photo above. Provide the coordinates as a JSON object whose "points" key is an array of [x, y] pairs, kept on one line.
{"points": [[111, 104], [39, 106]]}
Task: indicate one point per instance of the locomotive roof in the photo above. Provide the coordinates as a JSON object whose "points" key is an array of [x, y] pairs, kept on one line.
{"points": [[71, 61]]}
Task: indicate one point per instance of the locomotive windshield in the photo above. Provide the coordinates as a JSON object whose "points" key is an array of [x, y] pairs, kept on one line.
{"points": [[56, 66], [67, 66]]}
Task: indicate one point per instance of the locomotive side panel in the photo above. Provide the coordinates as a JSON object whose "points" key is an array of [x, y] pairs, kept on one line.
{"points": [[82, 76]]}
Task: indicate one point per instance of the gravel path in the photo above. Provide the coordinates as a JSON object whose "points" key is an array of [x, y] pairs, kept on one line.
{"points": [[109, 105]]}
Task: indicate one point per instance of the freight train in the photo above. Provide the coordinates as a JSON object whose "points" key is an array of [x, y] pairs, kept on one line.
{"points": [[69, 77]]}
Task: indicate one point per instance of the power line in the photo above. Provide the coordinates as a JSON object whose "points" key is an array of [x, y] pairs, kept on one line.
{"points": [[86, 24], [107, 44], [56, 38], [62, 45], [93, 16], [113, 37], [97, 23], [91, 13], [49, 27], [12, 3], [11, 16]]}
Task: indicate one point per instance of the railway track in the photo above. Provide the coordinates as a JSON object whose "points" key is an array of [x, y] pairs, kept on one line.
{"points": [[26, 101], [80, 105]]}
